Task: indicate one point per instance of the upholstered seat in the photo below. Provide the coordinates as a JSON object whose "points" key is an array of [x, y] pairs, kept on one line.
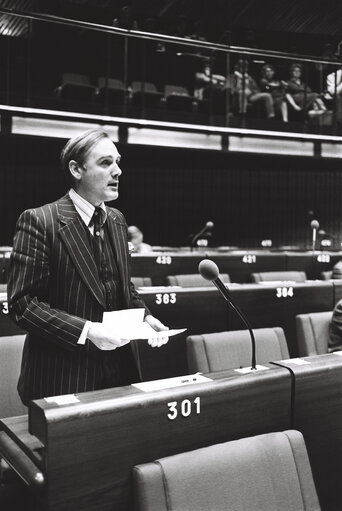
{"points": [[11, 348], [230, 350], [267, 276], [193, 280], [141, 281], [313, 333], [263, 473]]}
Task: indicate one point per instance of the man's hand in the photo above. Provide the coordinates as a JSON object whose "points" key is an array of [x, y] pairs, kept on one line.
{"points": [[158, 327], [104, 337]]}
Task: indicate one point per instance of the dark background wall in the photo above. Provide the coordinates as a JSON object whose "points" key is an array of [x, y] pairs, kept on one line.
{"points": [[171, 193]]}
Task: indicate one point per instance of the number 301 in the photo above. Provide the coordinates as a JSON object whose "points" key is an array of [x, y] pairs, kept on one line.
{"points": [[185, 408]]}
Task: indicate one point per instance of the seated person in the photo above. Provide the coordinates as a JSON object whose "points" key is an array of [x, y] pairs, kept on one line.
{"points": [[276, 88], [335, 329], [332, 79], [135, 236], [246, 91], [304, 98], [204, 80], [337, 270]]}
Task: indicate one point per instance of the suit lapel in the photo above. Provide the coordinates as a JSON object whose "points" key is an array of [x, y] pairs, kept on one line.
{"points": [[119, 243], [75, 238]]}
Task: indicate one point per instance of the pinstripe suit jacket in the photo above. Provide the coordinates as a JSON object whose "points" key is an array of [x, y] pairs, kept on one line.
{"points": [[53, 289]]}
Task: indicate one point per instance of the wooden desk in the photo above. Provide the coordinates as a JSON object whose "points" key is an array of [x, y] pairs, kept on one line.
{"points": [[317, 414], [89, 447], [268, 305], [239, 264]]}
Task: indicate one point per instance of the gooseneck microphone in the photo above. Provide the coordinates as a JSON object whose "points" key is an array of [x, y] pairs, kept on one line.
{"points": [[314, 224], [208, 226], [209, 271]]}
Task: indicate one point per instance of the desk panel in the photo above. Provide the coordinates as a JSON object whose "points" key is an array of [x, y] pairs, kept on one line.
{"points": [[7, 326], [275, 305], [90, 447], [317, 414], [159, 265], [337, 290], [200, 310], [240, 265], [312, 264]]}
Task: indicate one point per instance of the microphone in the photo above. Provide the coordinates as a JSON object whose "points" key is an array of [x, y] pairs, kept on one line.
{"points": [[314, 224], [209, 271], [208, 226]]}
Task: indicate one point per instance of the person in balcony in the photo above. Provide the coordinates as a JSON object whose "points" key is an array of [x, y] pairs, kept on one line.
{"points": [[304, 98], [205, 80], [334, 86], [246, 91], [277, 89]]}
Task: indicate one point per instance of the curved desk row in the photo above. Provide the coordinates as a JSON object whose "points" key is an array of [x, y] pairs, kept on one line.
{"points": [[238, 264], [202, 310], [83, 447]]}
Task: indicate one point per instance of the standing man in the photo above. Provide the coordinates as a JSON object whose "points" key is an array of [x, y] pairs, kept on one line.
{"points": [[70, 263]]}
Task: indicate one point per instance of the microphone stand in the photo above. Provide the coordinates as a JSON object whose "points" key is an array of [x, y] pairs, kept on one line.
{"points": [[224, 292]]}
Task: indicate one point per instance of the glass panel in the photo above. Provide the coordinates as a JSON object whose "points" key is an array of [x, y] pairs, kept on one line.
{"points": [[80, 69]]}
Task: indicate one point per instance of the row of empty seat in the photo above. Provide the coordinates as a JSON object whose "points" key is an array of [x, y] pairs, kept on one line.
{"points": [[79, 88], [195, 280]]}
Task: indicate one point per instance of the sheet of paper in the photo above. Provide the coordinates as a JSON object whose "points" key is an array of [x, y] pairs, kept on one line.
{"points": [[63, 400], [296, 361], [177, 381], [130, 324], [246, 370]]}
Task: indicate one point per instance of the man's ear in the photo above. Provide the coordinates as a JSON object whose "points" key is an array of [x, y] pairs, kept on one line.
{"points": [[75, 170]]}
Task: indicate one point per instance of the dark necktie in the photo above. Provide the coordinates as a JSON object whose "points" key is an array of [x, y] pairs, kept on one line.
{"points": [[97, 223]]}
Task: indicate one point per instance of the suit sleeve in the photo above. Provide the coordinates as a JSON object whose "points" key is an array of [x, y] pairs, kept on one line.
{"points": [[335, 327], [28, 285]]}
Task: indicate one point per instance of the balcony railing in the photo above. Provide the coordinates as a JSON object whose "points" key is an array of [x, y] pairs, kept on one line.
{"points": [[75, 66]]}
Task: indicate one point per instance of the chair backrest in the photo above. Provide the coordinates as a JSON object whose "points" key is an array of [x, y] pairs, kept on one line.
{"points": [[141, 281], [110, 83], [193, 280], [313, 333], [11, 348], [268, 472], [75, 79], [147, 87], [176, 89], [327, 275], [230, 350], [267, 276]]}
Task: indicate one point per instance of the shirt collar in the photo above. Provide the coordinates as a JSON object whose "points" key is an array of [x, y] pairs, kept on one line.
{"points": [[84, 208]]}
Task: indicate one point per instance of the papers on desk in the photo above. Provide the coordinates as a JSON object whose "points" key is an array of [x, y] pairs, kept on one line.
{"points": [[130, 324], [177, 381]]}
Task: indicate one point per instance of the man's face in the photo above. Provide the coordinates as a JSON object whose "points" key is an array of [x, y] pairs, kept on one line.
{"points": [[99, 174]]}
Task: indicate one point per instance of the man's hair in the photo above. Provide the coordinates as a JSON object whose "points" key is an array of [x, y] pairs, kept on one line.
{"points": [[78, 148]]}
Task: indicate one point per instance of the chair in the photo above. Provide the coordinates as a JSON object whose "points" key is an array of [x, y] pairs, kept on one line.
{"points": [[145, 94], [313, 333], [193, 280], [326, 275], [75, 87], [230, 350], [141, 281], [10, 359], [269, 472], [267, 276], [111, 89], [178, 98]]}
